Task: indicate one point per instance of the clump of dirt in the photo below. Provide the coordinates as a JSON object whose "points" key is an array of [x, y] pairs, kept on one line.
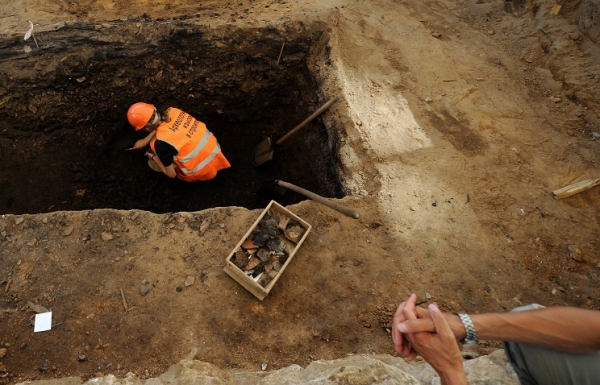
{"points": [[63, 115]]}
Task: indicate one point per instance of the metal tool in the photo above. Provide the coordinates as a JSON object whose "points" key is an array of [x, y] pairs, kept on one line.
{"points": [[263, 152], [281, 187]]}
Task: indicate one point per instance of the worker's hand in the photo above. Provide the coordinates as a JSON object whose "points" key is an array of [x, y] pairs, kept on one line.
{"points": [[438, 348], [150, 154], [140, 144], [401, 325]]}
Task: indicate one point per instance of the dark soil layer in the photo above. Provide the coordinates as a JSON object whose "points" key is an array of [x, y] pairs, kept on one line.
{"points": [[63, 126]]}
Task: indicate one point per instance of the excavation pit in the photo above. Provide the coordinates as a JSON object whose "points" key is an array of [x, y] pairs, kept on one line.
{"points": [[63, 126]]}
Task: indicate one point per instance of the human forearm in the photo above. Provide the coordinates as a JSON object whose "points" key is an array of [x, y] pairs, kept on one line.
{"points": [[149, 137], [566, 329]]}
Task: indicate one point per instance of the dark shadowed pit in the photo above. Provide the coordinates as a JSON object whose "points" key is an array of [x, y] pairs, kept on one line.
{"points": [[63, 126]]}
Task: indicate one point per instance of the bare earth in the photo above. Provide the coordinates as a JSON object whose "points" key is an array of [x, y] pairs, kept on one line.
{"points": [[459, 121]]}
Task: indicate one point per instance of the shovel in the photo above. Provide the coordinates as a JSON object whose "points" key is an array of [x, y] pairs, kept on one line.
{"points": [[281, 187], [263, 152]]}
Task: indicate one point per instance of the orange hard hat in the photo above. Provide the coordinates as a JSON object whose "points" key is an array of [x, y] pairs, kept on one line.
{"points": [[139, 114]]}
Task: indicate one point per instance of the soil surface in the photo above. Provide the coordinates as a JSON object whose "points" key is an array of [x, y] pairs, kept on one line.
{"points": [[456, 122]]}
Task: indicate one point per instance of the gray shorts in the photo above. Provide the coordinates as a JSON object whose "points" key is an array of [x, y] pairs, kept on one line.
{"points": [[540, 366]]}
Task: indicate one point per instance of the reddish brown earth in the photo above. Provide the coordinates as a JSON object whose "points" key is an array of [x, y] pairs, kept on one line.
{"points": [[458, 120]]}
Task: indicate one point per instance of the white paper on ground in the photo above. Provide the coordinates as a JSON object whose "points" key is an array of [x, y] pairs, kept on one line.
{"points": [[43, 322]]}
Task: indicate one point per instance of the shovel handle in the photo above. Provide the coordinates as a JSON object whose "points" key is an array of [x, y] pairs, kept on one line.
{"points": [[309, 119], [317, 198]]}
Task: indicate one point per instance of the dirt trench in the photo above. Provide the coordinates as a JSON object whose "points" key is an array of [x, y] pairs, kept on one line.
{"points": [[63, 111]]}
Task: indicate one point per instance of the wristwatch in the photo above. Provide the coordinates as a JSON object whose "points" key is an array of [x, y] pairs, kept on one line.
{"points": [[470, 337]]}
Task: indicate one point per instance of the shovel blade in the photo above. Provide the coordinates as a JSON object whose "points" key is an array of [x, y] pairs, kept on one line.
{"points": [[263, 152]]}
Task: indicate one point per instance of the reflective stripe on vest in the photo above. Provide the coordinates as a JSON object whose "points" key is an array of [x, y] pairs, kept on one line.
{"points": [[179, 134], [198, 148], [203, 163]]}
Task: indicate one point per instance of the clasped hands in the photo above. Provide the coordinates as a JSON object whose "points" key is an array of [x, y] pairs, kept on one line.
{"points": [[432, 335]]}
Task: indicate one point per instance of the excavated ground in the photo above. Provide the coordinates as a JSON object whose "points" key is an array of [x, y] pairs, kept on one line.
{"points": [[69, 132], [456, 121]]}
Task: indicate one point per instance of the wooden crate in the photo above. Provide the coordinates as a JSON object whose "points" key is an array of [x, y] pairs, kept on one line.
{"points": [[246, 281]]}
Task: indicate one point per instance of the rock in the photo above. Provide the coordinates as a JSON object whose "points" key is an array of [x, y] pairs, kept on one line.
{"points": [[264, 255], [67, 231], [44, 367], [283, 222], [264, 280], [240, 259], [37, 308], [574, 253], [491, 32], [204, 226], [81, 357], [189, 281], [107, 236], [252, 263], [436, 35], [18, 220], [359, 369], [144, 290], [3, 352], [294, 233]]}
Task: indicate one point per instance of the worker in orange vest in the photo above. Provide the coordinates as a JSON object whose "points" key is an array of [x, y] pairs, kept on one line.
{"points": [[181, 146]]}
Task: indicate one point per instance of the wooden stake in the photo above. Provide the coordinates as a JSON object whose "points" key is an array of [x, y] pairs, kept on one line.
{"points": [[124, 302], [280, 52], [575, 188], [556, 7], [35, 40]]}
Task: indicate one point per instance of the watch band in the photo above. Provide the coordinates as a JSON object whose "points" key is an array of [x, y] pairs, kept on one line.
{"points": [[470, 337]]}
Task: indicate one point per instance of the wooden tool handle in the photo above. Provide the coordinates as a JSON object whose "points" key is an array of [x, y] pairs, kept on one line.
{"points": [[317, 198], [575, 188], [309, 119]]}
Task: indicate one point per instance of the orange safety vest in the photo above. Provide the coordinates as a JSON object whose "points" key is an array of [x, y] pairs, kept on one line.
{"points": [[199, 156]]}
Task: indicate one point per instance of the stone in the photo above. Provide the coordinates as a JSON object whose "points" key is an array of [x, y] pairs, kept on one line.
{"points": [[574, 253], [106, 236], [189, 281], [67, 231], [380, 369], [294, 233], [240, 259], [252, 263], [144, 290], [37, 308], [264, 255], [283, 222], [3, 352]]}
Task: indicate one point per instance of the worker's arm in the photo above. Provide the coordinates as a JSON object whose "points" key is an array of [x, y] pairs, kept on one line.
{"points": [[561, 328], [144, 142], [168, 171]]}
